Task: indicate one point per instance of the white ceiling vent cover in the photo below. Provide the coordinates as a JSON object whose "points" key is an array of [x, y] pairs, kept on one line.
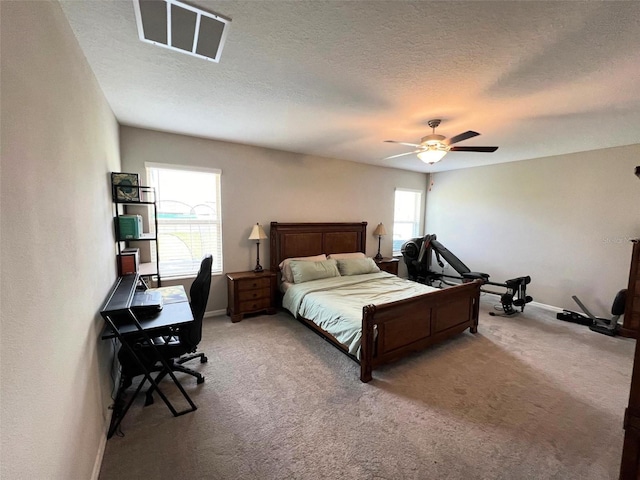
{"points": [[181, 27]]}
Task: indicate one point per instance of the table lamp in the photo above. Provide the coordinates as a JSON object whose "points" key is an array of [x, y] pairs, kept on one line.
{"points": [[379, 231], [257, 233]]}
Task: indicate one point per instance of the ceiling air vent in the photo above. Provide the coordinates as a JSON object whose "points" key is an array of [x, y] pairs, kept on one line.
{"points": [[182, 28]]}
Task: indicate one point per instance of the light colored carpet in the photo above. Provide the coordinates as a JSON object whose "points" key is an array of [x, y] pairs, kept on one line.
{"points": [[528, 397]]}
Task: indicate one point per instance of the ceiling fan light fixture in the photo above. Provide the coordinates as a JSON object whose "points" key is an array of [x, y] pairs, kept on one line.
{"points": [[431, 156], [432, 139], [433, 147]]}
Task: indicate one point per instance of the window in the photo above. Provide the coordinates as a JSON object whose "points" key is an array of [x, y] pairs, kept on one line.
{"points": [[406, 217], [189, 219]]}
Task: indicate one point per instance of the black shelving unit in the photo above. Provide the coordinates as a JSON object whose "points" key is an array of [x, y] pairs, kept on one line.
{"points": [[145, 197]]}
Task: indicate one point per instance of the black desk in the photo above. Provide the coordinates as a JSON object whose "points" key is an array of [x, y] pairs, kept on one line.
{"points": [[123, 324], [176, 312]]}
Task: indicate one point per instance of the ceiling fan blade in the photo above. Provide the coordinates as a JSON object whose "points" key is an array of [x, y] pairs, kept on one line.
{"points": [[462, 136], [403, 143], [473, 149], [401, 155]]}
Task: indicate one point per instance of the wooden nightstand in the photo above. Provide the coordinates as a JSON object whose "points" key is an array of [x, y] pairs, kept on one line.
{"points": [[388, 264], [250, 292]]}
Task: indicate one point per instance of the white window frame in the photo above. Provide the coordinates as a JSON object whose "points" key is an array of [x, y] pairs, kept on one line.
{"points": [[416, 222], [191, 270]]}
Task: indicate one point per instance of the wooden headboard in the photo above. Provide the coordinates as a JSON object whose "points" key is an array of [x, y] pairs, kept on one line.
{"points": [[290, 240]]}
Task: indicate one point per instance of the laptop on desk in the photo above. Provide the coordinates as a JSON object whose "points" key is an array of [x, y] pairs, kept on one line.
{"points": [[146, 304]]}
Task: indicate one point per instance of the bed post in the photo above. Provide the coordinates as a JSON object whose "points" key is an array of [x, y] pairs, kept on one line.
{"points": [[476, 309], [366, 345], [273, 252]]}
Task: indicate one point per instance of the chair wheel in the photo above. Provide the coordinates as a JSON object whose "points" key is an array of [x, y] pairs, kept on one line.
{"points": [[200, 380], [148, 400], [204, 360]]}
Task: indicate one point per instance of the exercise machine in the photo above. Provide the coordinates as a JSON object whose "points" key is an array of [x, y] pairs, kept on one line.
{"points": [[418, 255], [606, 326]]}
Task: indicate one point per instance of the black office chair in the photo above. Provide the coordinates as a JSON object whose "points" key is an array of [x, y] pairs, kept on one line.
{"points": [[181, 348]]}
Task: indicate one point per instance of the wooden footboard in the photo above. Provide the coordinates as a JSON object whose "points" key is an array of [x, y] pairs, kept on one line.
{"points": [[393, 330]]}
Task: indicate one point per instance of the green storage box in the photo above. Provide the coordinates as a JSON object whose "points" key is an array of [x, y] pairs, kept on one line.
{"points": [[130, 226]]}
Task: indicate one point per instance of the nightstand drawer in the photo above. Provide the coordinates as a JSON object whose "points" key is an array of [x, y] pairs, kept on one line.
{"points": [[253, 283], [253, 305], [246, 295]]}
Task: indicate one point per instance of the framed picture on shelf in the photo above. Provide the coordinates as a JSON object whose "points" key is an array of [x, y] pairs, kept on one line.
{"points": [[122, 189]]}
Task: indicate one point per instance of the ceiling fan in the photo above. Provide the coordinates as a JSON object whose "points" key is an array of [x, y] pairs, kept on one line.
{"points": [[433, 147]]}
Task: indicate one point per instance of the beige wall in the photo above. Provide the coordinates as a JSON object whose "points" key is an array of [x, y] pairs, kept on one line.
{"points": [[59, 141], [262, 185], [564, 220]]}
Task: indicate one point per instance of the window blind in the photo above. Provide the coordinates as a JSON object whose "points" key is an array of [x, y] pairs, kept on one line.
{"points": [[406, 217], [189, 218]]}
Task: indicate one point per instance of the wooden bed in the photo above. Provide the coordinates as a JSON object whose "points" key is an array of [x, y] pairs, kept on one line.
{"points": [[403, 326]]}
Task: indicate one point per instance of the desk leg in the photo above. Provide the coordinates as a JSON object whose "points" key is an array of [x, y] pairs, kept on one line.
{"points": [[147, 376], [186, 396]]}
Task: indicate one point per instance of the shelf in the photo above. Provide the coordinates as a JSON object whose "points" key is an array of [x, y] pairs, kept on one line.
{"points": [[143, 237], [130, 196], [129, 202], [146, 269]]}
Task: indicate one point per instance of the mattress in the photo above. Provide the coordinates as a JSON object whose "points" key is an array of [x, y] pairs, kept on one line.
{"points": [[335, 304]]}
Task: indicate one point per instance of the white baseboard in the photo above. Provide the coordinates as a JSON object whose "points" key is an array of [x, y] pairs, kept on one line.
{"points": [[100, 455], [215, 313], [547, 307], [534, 304]]}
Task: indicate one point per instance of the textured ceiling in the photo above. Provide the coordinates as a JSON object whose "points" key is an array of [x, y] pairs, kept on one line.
{"points": [[337, 78]]}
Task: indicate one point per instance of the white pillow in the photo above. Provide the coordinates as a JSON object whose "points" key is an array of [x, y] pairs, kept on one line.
{"points": [[337, 256], [287, 276], [304, 271], [357, 266]]}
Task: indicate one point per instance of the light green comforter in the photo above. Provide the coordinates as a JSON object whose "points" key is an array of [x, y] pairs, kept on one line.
{"points": [[335, 304]]}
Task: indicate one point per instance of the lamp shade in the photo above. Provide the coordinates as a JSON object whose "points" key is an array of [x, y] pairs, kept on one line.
{"points": [[257, 233], [431, 156], [380, 230]]}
